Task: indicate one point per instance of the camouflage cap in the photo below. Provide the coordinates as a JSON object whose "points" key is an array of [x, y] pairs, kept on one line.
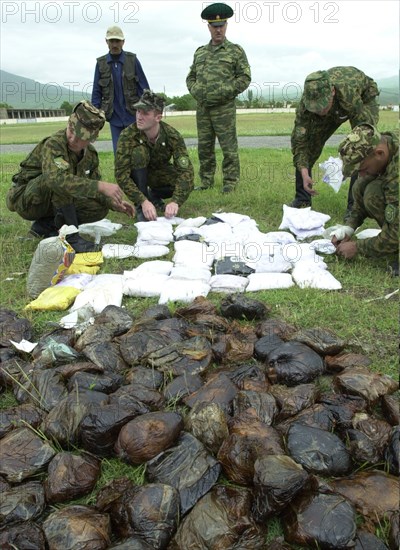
{"points": [[114, 33], [317, 91], [357, 146], [150, 102], [217, 14], [86, 121]]}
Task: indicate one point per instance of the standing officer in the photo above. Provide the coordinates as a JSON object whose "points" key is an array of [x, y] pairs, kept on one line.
{"points": [[374, 157], [118, 83], [329, 99], [220, 71], [152, 162]]}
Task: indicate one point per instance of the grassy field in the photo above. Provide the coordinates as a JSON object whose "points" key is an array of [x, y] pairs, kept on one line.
{"points": [[252, 124], [358, 313]]}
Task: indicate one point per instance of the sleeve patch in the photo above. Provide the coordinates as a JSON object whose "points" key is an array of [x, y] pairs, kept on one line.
{"points": [[391, 213], [61, 163], [183, 162]]}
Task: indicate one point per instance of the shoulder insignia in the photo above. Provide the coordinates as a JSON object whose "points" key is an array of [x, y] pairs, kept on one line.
{"points": [[183, 162], [61, 163], [391, 213]]}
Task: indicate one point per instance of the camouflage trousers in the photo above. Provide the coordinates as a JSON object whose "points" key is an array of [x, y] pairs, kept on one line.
{"points": [[37, 199], [369, 196], [218, 122]]}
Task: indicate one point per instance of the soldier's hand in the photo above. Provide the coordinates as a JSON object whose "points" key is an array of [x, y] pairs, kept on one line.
{"points": [[111, 190], [347, 249], [126, 208], [171, 210], [149, 211], [308, 185]]}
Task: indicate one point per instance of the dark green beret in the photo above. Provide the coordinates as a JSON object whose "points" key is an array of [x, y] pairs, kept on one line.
{"points": [[217, 14]]}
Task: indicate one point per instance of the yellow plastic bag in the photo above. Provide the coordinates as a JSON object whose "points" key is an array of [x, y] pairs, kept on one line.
{"points": [[91, 269], [86, 262], [54, 298]]}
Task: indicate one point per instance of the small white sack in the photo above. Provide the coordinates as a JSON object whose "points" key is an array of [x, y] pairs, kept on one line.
{"points": [[118, 251], [182, 291], [322, 279], [324, 246], [333, 175], [271, 264], [162, 267], [77, 280], [190, 273], [184, 231], [150, 251], [281, 237], [146, 286], [268, 281], [192, 222], [228, 283], [102, 228], [99, 297]]}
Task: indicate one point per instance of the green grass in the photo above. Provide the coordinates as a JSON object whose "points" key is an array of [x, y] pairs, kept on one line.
{"points": [[248, 124]]}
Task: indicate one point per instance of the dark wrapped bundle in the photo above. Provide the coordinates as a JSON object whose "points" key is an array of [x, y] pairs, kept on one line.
{"points": [[318, 451], [321, 521], [107, 382], [278, 327], [368, 541], [321, 340], [293, 400], [265, 345], [188, 467], [241, 307], [17, 417], [24, 536], [208, 423], [218, 389], [220, 520], [232, 348], [394, 532], [22, 503], [107, 355], [343, 408], [231, 266], [117, 319], [263, 403], [132, 393], [76, 527], [365, 383], [147, 435], [293, 363], [277, 480], [392, 452], [145, 376], [317, 416], [13, 328], [390, 408], [182, 386], [23, 454]]}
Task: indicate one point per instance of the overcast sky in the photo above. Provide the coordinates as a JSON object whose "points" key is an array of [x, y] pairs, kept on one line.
{"points": [[58, 42]]}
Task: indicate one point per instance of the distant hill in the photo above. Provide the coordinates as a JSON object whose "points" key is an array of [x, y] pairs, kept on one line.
{"points": [[25, 93]]}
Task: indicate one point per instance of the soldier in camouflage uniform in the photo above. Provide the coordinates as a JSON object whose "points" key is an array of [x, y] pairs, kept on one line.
{"points": [[220, 71], [152, 162], [59, 182], [375, 158], [329, 99]]}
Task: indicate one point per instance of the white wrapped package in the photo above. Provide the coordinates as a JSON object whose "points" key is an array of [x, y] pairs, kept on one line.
{"points": [[300, 252], [183, 231], [191, 253], [145, 286], [102, 228], [271, 264], [307, 277], [162, 267], [192, 222], [118, 251], [269, 281], [324, 246], [368, 233], [228, 283], [172, 221], [258, 245], [189, 273], [281, 237], [177, 290], [245, 228], [216, 232], [99, 297], [231, 217], [333, 175], [105, 279], [77, 280], [303, 222], [150, 251], [228, 249]]}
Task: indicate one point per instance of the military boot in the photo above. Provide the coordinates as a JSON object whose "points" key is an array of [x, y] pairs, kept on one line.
{"points": [[350, 199], [43, 228], [68, 215], [302, 199]]}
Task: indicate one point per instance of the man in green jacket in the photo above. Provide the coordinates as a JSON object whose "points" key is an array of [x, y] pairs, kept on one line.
{"points": [[60, 183], [152, 162], [374, 157], [329, 99], [220, 71]]}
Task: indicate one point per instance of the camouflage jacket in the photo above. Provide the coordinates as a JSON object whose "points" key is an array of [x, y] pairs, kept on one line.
{"points": [[218, 73], [62, 167], [135, 151], [387, 242], [354, 100]]}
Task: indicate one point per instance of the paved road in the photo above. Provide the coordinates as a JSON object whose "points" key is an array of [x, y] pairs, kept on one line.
{"points": [[256, 142]]}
